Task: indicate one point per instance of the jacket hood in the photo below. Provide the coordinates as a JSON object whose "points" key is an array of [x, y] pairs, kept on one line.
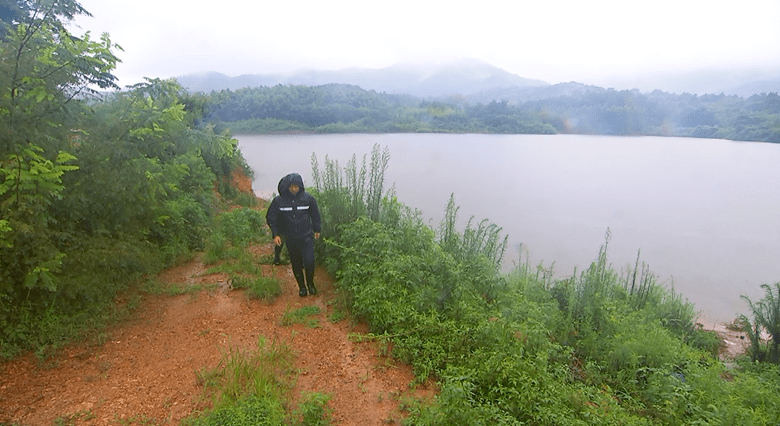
{"points": [[292, 178]]}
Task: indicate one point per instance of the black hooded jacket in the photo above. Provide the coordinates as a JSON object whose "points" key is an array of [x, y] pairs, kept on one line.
{"points": [[294, 216]]}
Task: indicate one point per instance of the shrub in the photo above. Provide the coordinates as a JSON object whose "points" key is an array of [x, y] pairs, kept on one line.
{"points": [[595, 348], [243, 226], [766, 318]]}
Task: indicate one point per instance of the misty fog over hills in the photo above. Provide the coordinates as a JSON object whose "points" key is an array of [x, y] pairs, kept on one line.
{"points": [[461, 78], [477, 81], [744, 83]]}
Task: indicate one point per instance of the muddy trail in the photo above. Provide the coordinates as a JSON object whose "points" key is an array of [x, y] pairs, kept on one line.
{"points": [[145, 370]]}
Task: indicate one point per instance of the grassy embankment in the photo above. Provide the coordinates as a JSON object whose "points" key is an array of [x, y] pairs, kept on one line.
{"points": [[596, 348], [521, 348]]}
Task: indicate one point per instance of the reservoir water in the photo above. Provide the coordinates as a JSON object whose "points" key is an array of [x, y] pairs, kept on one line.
{"points": [[705, 213]]}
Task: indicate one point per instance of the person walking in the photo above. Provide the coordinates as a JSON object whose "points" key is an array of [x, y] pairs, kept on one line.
{"points": [[294, 214]]}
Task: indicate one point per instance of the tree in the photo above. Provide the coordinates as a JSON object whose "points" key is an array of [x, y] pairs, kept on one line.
{"points": [[45, 75], [140, 154]]}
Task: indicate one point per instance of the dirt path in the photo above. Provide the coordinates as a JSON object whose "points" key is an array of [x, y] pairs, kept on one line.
{"points": [[145, 371]]}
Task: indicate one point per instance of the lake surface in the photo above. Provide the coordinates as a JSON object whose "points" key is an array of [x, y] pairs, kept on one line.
{"points": [[705, 213]]}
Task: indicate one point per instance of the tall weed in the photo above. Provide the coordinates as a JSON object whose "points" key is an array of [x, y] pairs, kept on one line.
{"points": [[484, 240], [587, 298], [352, 192], [766, 318]]}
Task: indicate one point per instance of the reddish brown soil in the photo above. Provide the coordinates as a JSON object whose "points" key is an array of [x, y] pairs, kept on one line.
{"points": [[144, 371]]}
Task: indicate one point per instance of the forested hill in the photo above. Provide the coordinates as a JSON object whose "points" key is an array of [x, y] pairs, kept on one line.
{"points": [[563, 108], [465, 77]]}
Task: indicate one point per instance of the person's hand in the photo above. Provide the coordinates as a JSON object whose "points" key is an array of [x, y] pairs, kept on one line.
{"points": [[316, 235], [278, 240]]}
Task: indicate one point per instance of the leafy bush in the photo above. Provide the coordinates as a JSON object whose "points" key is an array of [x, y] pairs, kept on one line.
{"points": [[243, 226], [245, 200], [482, 241], [590, 298], [182, 225], [113, 188], [598, 348], [94, 271], [352, 192]]}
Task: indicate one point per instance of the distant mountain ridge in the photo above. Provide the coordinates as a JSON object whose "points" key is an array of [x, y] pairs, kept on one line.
{"points": [[743, 83], [477, 81], [755, 87], [461, 78]]}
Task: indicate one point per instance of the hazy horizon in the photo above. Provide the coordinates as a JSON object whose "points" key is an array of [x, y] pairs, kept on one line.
{"points": [[697, 82], [606, 43]]}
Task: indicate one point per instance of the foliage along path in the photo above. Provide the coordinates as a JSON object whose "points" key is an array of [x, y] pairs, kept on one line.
{"points": [[145, 371]]}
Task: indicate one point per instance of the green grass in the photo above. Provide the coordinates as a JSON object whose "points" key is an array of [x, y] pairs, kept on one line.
{"points": [[337, 315], [234, 260], [263, 288], [314, 410], [302, 316], [229, 255], [253, 387], [74, 418], [248, 386]]}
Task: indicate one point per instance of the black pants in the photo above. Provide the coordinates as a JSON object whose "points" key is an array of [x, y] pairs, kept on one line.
{"points": [[301, 252]]}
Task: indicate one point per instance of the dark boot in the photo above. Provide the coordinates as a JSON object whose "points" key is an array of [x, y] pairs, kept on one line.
{"points": [[301, 285], [310, 281]]}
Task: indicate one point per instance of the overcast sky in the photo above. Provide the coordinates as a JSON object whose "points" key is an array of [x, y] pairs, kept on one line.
{"points": [[593, 42]]}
